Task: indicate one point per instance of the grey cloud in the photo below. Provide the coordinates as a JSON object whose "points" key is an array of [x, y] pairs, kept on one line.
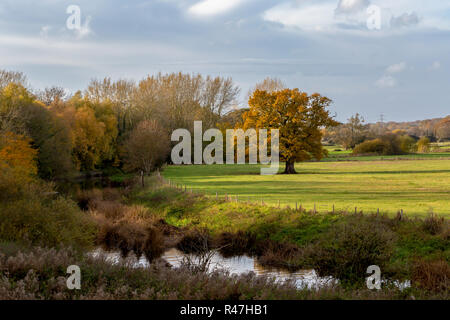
{"points": [[405, 20]]}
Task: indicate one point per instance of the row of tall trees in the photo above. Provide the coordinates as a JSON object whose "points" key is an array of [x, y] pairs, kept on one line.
{"points": [[101, 127]]}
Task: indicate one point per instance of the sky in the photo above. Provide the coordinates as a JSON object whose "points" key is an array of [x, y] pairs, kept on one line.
{"points": [[370, 57]]}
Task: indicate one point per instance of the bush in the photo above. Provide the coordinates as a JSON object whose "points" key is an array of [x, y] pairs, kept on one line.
{"points": [[423, 145], [376, 146], [353, 245], [44, 221], [433, 224], [195, 241], [407, 143], [283, 255], [235, 244], [388, 144], [132, 238]]}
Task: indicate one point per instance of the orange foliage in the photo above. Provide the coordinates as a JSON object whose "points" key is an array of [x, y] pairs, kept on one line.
{"points": [[16, 152], [299, 117]]}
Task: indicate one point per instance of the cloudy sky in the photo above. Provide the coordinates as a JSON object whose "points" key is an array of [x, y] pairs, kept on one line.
{"points": [[370, 56]]}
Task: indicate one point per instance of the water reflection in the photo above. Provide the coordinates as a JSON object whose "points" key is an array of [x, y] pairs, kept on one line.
{"points": [[235, 265], [72, 187]]}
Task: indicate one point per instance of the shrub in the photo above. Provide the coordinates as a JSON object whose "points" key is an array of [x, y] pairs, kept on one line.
{"points": [[407, 143], [433, 224], [423, 145], [282, 255], [376, 146], [388, 144], [235, 244], [195, 241], [353, 245], [110, 209], [129, 237], [45, 221], [85, 198]]}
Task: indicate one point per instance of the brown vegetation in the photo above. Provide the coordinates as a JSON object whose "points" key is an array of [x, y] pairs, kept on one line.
{"points": [[432, 275]]}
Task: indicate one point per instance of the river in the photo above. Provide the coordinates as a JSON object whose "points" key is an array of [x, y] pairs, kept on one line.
{"points": [[236, 265]]}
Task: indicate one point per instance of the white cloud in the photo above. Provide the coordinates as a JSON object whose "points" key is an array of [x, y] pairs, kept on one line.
{"points": [[396, 68], [310, 16], [436, 65], [213, 7], [386, 82], [351, 6]]}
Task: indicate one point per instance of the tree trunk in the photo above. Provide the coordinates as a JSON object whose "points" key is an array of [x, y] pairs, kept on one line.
{"points": [[290, 169]]}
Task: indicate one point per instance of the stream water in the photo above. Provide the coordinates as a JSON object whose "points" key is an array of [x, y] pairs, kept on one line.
{"points": [[235, 265]]}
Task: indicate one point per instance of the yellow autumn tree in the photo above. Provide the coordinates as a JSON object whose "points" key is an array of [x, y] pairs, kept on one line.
{"points": [[17, 164], [88, 133], [16, 152], [299, 117]]}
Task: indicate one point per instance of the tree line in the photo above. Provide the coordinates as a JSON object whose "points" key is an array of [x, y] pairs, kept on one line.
{"points": [[388, 138], [101, 127], [126, 125]]}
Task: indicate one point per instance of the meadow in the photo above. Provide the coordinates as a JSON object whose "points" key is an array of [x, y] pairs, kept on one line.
{"points": [[417, 187]]}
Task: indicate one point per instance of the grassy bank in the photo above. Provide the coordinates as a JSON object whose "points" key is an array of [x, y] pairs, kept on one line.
{"points": [[148, 221], [416, 187]]}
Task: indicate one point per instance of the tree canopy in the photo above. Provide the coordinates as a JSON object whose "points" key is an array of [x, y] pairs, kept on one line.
{"points": [[298, 116]]}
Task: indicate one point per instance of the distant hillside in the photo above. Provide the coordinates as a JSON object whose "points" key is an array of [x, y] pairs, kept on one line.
{"points": [[437, 128]]}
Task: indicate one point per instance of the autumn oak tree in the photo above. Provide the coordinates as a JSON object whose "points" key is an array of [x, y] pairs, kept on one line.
{"points": [[298, 116]]}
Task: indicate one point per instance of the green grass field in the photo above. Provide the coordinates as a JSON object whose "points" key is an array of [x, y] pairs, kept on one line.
{"points": [[415, 186]]}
